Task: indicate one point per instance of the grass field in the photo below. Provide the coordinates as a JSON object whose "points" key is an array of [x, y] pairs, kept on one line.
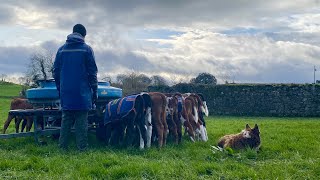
{"points": [[290, 150]]}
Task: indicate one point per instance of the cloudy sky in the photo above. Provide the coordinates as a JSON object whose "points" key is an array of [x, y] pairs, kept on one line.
{"points": [[243, 41]]}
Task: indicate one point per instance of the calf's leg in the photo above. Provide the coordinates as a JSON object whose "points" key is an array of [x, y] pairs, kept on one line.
{"points": [[7, 122]]}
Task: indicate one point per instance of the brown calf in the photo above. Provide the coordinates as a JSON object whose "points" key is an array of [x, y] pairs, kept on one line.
{"points": [[19, 103], [159, 123]]}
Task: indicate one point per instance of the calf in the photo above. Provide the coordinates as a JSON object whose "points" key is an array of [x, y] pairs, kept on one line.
{"points": [[172, 116], [147, 120], [159, 123], [201, 108], [196, 115], [184, 110], [125, 114], [19, 103]]}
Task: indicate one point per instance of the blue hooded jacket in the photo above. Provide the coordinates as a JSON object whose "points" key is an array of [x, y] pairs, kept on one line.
{"points": [[75, 74]]}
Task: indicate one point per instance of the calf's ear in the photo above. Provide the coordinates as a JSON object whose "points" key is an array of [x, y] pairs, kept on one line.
{"points": [[247, 126]]}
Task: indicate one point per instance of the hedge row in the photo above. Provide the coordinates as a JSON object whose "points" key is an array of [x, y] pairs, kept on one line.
{"points": [[255, 99]]}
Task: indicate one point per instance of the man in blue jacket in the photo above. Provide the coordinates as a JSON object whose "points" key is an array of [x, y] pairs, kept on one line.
{"points": [[75, 74]]}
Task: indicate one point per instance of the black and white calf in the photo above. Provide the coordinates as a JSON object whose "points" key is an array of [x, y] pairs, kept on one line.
{"points": [[122, 117]]}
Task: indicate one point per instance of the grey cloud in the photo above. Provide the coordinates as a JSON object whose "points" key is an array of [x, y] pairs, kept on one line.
{"points": [[51, 46], [114, 18], [14, 59], [109, 61], [279, 73], [6, 14], [159, 13], [298, 37]]}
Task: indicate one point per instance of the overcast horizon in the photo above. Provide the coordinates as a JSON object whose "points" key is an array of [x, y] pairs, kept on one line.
{"points": [[241, 41]]}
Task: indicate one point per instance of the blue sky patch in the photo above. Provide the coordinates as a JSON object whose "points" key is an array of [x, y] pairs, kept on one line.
{"points": [[241, 30], [154, 33]]}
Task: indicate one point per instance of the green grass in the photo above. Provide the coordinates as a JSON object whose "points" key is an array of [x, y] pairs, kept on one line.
{"points": [[9, 89], [290, 150], [7, 92]]}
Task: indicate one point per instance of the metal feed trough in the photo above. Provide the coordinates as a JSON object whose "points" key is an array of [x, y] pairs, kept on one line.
{"points": [[46, 109]]}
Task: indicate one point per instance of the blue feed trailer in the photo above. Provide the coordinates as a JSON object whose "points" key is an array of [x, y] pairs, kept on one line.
{"points": [[47, 95], [46, 109]]}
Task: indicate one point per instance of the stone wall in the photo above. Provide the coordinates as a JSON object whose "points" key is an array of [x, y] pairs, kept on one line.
{"points": [[255, 99]]}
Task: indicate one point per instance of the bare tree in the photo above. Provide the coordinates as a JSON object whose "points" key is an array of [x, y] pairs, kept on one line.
{"points": [[22, 80], [3, 77], [158, 80], [144, 79], [107, 79], [121, 78], [132, 82], [174, 79], [40, 66]]}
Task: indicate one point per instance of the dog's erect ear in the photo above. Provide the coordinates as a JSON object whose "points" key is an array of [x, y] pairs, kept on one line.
{"points": [[247, 127], [256, 128]]}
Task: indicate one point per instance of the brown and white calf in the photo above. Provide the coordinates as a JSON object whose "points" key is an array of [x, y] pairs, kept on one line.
{"points": [[195, 109], [184, 109], [172, 116], [202, 110]]}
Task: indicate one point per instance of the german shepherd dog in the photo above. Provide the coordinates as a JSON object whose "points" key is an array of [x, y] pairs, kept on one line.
{"points": [[246, 138]]}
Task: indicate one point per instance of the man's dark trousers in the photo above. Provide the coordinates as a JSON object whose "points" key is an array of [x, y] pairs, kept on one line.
{"points": [[80, 120]]}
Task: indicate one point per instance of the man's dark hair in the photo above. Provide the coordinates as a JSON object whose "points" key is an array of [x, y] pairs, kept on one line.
{"points": [[79, 28]]}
